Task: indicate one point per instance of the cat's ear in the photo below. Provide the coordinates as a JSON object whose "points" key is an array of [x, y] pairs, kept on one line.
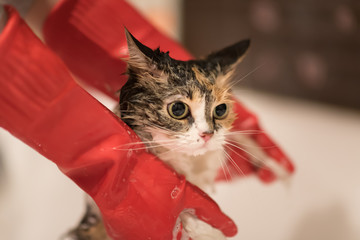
{"points": [[140, 56], [228, 57]]}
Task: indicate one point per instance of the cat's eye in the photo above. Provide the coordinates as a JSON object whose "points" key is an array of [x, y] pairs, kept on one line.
{"points": [[221, 111], [178, 110]]}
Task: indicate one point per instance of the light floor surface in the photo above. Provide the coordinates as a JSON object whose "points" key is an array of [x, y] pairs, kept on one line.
{"points": [[321, 202]]}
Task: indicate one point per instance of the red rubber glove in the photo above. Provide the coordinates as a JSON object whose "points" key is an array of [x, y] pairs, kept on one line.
{"points": [[89, 36], [139, 197]]}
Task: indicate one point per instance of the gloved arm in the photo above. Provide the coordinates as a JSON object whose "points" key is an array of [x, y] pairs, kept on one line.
{"points": [[89, 37], [41, 105]]}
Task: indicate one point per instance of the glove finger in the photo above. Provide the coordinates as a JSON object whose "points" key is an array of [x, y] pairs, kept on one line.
{"points": [[266, 175]]}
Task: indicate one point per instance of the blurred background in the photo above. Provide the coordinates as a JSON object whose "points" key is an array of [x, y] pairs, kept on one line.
{"points": [[301, 77], [305, 48]]}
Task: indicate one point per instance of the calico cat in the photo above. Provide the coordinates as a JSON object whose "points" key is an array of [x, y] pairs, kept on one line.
{"points": [[182, 111]]}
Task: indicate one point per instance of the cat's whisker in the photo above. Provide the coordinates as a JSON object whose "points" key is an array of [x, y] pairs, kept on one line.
{"points": [[244, 150], [246, 159], [243, 132], [145, 147], [245, 76], [232, 161], [161, 141], [128, 149], [146, 142], [222, 163], [174, 146], [125, 146], [170, 150], [249, 145], [161, 145]]}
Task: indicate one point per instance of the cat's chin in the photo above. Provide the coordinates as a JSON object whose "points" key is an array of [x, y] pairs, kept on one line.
{"points": [[197, 152], [190, 152], [201, 151]]}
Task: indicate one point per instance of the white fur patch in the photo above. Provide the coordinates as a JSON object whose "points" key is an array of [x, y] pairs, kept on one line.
{"points": [[198, 113]]}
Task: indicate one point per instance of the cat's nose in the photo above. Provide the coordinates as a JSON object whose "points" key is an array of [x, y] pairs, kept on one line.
{"points": [[206, 135]]}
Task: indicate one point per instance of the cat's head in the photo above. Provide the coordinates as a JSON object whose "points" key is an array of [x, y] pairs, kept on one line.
{"points": [[185, 106]]}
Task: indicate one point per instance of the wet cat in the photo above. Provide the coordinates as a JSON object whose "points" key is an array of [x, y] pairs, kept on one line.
{"points": [[182, 111]]}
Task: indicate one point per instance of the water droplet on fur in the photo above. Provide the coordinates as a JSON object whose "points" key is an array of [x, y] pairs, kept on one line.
{"points": [[175, 193]]}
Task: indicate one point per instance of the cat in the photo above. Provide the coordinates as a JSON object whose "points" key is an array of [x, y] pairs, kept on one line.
{"points": [[182, 111]]}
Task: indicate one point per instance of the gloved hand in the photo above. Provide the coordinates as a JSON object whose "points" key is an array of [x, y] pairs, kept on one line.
{"points": [[89, 37], [139, 197]]}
